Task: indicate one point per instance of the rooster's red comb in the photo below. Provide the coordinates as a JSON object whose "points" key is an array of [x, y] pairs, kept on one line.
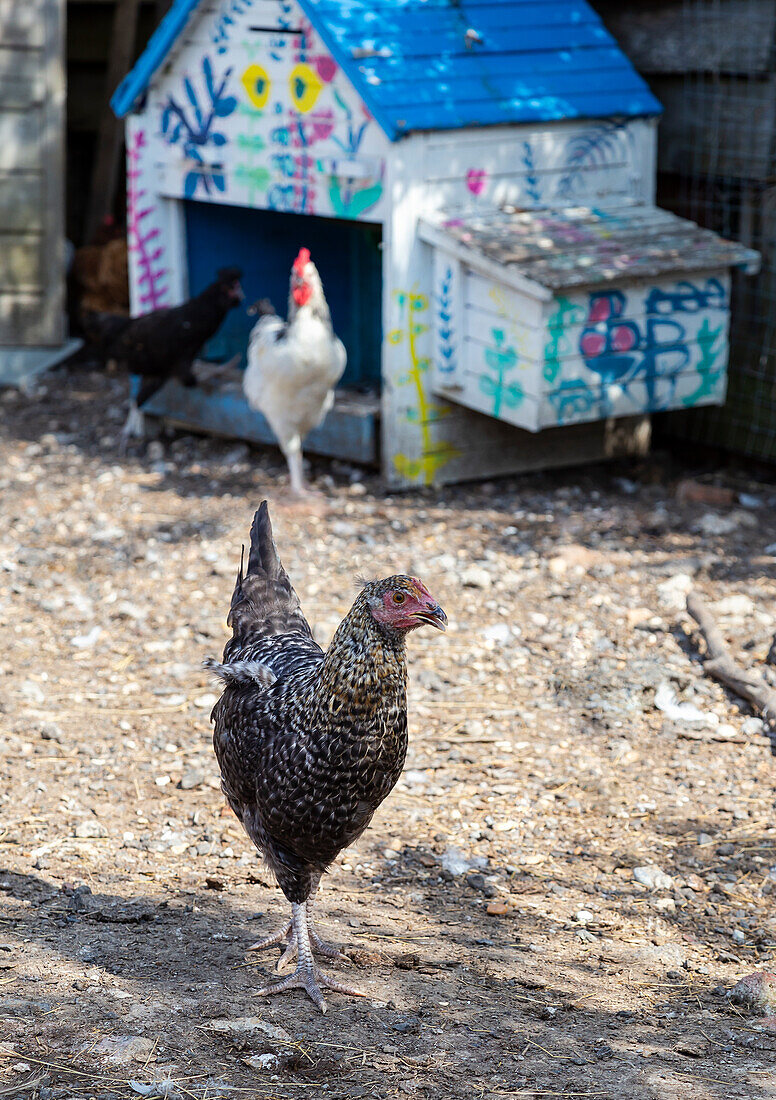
{"points": [[302, 260]]}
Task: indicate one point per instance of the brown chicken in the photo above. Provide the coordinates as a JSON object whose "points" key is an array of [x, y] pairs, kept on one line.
{"points": [[310, 743]]}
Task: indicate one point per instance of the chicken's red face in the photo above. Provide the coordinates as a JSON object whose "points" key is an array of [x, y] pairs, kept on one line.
{"points": [[404, 603], [301, 290]]}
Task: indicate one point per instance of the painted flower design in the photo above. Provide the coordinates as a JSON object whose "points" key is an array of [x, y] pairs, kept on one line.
{"points": [[193, 126]]}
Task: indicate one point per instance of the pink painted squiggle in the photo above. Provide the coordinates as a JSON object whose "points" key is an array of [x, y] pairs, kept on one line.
{"points": [[153, 290]]}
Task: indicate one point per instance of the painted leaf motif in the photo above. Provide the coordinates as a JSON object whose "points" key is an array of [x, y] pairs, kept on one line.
{"points": [[193, 100], [207, 69], [190, 184], [488, 386], [501, 360], [225, 106], [219, 139], [357, 203]]}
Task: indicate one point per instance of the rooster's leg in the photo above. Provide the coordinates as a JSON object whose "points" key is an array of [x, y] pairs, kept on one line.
{"points": [[307, 975], [293, 453]]}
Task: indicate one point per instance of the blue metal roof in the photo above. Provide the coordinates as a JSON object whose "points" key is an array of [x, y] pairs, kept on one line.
{"points": [[447, 64]]}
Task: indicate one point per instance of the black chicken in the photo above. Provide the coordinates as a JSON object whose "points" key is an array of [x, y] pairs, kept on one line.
{"points": [[164, 343], [310, 743]]}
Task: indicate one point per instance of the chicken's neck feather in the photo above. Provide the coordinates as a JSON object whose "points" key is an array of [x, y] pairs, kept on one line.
{"points": [[365, 668]]}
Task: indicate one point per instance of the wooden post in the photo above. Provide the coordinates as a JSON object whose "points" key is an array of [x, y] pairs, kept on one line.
{"points": [[106, 164]]}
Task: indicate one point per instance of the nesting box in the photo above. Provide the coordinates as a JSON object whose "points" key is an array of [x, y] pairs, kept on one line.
{"points": [[547, 318]]}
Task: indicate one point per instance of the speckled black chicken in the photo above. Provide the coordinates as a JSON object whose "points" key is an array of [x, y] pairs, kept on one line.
{"points": [[310, 743]]}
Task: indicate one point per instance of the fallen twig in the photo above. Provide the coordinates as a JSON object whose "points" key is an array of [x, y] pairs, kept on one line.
{"points": [[720, 666]]}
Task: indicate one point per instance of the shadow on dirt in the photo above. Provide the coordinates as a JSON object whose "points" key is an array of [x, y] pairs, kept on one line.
{"points": [[496, 1012]]}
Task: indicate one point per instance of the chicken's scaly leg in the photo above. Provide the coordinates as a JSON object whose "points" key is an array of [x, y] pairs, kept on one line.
{"points": [[307, 975], [287, 936], [293, 453]]}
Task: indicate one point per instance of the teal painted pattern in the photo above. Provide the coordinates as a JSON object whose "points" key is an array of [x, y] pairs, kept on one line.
{"points": [[501, 359]]}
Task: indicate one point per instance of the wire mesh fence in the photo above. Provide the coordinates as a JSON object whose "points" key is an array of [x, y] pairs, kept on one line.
{"points": [[717, 160]]}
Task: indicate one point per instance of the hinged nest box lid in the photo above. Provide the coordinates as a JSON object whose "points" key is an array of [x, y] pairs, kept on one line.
{"points": [[584, 246], [554, 317]]}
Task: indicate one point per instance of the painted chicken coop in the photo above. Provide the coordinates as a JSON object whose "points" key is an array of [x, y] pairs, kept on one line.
{"points": [[475, 182]]}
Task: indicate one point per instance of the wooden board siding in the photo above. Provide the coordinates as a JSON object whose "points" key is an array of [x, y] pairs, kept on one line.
{"points": [[31, 167], [535, 166], [639, 347]]}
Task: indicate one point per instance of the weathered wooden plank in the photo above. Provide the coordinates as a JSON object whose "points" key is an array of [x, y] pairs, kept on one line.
{"points": [[22, 23], [588, 247], [21, 202], [20, 94], [663, 36], [21, 262], [24, 318], [349, 432], [22, 83], [499, 449], [21, 134]]}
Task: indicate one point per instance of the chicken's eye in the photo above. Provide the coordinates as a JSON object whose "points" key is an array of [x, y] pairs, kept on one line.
{"points": [[399, 597]]}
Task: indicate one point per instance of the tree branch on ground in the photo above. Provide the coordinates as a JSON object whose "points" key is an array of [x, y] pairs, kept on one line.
{"points": [[719, 664]]}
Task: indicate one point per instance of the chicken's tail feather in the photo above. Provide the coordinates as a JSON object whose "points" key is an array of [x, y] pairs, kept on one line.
{"points": [[264, 601]]}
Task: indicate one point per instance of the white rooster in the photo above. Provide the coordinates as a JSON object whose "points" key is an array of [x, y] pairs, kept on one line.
{"points": [[294, 365]]}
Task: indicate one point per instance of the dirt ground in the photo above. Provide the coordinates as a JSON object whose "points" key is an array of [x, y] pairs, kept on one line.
{"points": [[541, 774]]}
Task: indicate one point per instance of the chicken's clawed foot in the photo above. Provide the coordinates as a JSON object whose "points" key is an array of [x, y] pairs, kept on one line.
{"points": [[310, 978], [300, 939]]}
